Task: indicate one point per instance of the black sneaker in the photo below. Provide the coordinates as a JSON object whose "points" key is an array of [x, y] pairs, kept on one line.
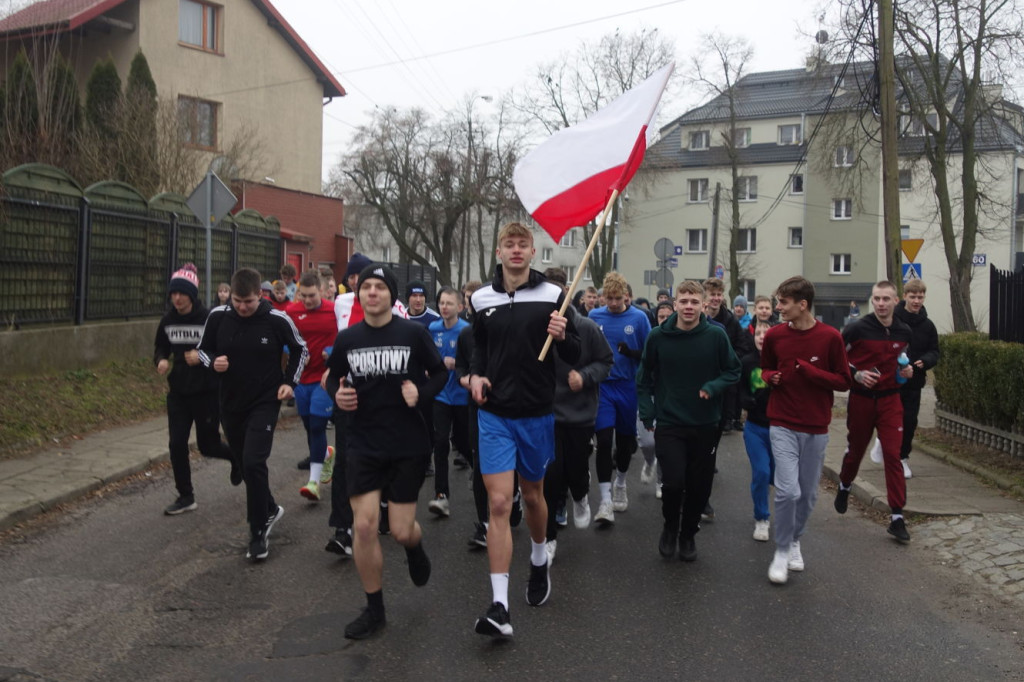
{"points": [[479, 537], [384, 525], [708, 515], [272, 519], [687, 549], [303, 464], [365, 625], [460, 462], [898, 529], [258, 547], [516, 517], [341, 543], [419, 565], [561, 516], [842, 501], [181, 505], [495, 622], [667, 543], [538, 589], [236, 472]]}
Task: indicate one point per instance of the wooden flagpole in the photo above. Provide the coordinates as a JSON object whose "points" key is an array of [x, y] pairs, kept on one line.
{"points": [[582, 267]]}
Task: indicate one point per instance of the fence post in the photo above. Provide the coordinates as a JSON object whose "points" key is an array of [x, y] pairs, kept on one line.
{"points": [[172, 243], [82, 260], [234, 248]]}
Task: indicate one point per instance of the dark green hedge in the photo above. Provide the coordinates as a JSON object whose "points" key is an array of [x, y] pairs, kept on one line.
{"points": [[982, 380]]}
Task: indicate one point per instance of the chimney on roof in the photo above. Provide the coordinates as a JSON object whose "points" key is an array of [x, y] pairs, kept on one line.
{"points": [[815, 61]]}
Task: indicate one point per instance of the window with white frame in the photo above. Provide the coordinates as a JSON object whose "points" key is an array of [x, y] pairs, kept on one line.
{"points": [[199, 24], [741, 138], [748, 188], [197, 122], [906, 180], [842, 264], [915, 126], [796, 238], [569, 270], [747, 240], [697, 241], [700, 140], [842, 209], [698, 189], [568, 239], [545, 254], [790, 134], [844, 156], [586, 274], [796, 183], [748, 287]]}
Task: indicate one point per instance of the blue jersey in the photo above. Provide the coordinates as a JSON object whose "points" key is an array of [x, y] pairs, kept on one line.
{"points": [[446, 339], [630, 327]]}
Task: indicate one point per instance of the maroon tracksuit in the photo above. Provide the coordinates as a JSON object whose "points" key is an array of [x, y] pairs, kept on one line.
{"points": [[869, 346]]}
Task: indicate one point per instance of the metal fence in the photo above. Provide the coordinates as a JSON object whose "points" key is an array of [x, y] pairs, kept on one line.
{"points": [[105, 252], [1006, 305]]}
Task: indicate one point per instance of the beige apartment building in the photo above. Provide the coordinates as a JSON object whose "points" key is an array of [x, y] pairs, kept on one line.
{"points": [[230, 67], [810, 200]]}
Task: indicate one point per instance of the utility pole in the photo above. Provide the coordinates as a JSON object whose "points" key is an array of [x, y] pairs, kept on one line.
{"points": [[890, 161]]}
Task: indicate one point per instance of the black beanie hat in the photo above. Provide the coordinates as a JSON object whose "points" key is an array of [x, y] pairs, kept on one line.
{"points": [[382, 272], [415, 287], [356, 264], [185, 281]]}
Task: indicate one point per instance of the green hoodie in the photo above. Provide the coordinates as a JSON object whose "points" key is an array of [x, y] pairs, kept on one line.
{"points": [[677, 365]]}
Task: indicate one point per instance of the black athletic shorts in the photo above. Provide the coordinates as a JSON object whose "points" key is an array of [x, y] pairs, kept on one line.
{"points": [[400, 476]]}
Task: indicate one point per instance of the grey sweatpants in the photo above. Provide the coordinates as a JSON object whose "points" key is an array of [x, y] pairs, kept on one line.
{"points": [[798, 460]]}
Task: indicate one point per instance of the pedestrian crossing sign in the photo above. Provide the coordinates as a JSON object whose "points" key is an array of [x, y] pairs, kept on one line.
{"points": [[911, 271]]}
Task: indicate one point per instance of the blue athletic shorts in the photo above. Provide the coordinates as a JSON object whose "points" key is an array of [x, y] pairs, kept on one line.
{"points": [[526, 445], [617, 407], [311, 399]]}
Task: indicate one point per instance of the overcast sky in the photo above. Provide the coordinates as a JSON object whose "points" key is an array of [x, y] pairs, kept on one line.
{"points": [[431, 54]]}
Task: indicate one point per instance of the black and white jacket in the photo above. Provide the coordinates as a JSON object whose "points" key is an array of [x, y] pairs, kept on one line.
{"points": [[509, 331]]}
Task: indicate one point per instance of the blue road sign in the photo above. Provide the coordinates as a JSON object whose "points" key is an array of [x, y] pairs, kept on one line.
{"points": [[911, 271]]}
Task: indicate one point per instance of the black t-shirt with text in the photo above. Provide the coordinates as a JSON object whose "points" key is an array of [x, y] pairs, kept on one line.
{"points": [[375, 361]]}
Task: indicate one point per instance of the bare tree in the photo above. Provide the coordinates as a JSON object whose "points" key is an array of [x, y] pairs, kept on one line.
{"points": [[718, 65], [565, 92]]}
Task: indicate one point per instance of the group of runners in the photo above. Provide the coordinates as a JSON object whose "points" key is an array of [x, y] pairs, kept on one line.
{"points": [[401, 383]]}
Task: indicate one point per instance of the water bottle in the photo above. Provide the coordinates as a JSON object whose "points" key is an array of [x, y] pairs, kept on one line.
{"points": [[901, 362]]}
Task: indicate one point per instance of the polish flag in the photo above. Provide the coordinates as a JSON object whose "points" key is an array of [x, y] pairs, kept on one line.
{"points": [[565, 181]]}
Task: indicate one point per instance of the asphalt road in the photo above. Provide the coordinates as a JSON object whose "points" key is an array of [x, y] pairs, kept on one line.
{"points": [[111, 589]]}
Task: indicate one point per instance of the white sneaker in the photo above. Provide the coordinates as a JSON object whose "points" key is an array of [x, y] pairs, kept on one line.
{"points": [[551, 546], [876, 452], [581, 512], [778, 573], [657, 493], [907, 473], [605, 514], [647, 473], [620, 502], [796, 559], [439, 505], [761, 530]]}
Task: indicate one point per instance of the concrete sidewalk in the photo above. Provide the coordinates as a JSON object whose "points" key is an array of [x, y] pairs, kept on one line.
{"points": [[36, 484]]}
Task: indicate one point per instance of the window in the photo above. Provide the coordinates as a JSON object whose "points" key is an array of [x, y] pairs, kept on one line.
{"points": [[385, 254], [796, 184], [748, 188], [700, 140], [568, 239], [838, 82], [914, 126], [747, 241], [789, 134], [844, 157], [569, 270], [545, 254], [906, 180], [199, 24], [696, 241], [699, 189], [197, 120], [796, 237], [741, 138], [586, 274], [842, 209], [748, 287], [841, 264]]}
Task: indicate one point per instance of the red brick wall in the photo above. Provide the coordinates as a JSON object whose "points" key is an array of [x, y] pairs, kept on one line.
{"points": [[318, 216]]}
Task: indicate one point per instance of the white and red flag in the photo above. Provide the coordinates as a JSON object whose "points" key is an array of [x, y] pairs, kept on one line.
{"points": [[566, 180]]}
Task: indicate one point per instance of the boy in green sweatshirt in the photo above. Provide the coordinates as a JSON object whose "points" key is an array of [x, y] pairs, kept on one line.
{"points": [[687, 365]]}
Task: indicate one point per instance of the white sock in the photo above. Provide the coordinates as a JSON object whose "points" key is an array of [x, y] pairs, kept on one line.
{"points": [[314, 471], [538, 553], [606, 491], [845, 487], [620, 478], [897, 516], [499, 587]]}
